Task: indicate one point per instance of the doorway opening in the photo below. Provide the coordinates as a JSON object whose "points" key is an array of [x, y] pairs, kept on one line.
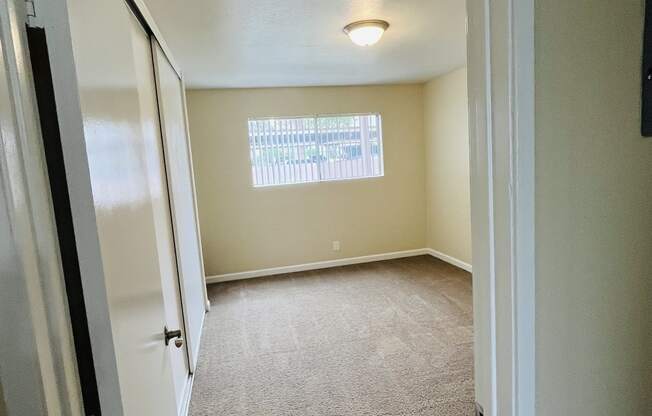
{"points": [[337, 187], [334, 196]]}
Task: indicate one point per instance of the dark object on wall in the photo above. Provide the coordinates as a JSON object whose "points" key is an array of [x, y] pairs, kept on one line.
{"points": [[646, 73], [479, 411]]}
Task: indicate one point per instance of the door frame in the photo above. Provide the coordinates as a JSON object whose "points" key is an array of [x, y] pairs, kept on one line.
{"points": [[38, 360], [52, 16], [502, 130], [497, 111]]}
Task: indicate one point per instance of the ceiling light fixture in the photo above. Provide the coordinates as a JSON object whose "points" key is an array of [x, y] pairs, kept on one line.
{"points": [[366, 32]]}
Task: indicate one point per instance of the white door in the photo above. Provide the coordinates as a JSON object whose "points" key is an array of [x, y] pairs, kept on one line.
{"points": [[153, 153], [111, 61], [182, 189]]}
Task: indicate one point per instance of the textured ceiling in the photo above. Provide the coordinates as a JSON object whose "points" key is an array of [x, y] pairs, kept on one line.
{"points": [[272, 43]]}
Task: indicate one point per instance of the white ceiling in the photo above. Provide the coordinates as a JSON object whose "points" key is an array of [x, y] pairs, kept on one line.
{"points": [[273, 43]]}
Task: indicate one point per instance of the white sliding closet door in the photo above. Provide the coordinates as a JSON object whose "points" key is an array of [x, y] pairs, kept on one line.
{"points": [[154, 159], [117, 232], [182, 197]]}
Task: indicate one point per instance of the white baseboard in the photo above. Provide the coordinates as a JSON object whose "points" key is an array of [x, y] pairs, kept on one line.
{"points": [[449, 259], [316, 265], [338, 262]]}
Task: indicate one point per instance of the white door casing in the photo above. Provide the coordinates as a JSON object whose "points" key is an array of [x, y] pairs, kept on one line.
{"points": [[501, 117], [38, 371]]}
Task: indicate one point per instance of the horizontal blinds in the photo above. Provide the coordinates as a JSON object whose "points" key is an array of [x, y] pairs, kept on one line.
{"points": [[313, 149]]}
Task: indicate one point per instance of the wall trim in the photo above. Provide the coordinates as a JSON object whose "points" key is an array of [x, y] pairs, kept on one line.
{"points": [[337, 262], [450, 259]]}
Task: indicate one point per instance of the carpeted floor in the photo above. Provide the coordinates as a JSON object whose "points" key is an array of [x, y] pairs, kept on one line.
{"points": [[385, 338]]}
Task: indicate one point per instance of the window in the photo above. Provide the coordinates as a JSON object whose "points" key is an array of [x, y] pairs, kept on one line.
{"points": [[315, 149]]}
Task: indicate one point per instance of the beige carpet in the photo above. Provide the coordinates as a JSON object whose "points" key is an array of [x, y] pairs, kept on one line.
{"points": [[384, 338]]}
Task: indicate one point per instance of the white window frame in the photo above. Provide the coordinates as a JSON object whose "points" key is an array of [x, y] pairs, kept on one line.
{"points": [[320, 175]]}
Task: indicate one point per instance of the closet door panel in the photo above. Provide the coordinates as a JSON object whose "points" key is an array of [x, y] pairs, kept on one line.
{"points": [[154, 158], [182, 196], [110, 49]]}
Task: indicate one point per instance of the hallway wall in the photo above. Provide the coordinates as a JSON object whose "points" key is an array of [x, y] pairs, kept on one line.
{"points": [[593, 211]]}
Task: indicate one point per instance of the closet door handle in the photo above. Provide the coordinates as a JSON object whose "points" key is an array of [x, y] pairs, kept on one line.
{"points": [[173, 334]]}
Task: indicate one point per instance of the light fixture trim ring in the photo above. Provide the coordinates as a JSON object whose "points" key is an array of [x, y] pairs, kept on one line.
{"points": [[383, 24]]}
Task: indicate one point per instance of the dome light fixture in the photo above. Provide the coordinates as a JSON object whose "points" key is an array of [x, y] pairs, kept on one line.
{"points": [[366, 32]]}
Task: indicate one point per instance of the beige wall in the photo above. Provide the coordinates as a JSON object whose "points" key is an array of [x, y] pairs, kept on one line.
{"points": [[448, 200], [245, 228], [593, 211]]}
